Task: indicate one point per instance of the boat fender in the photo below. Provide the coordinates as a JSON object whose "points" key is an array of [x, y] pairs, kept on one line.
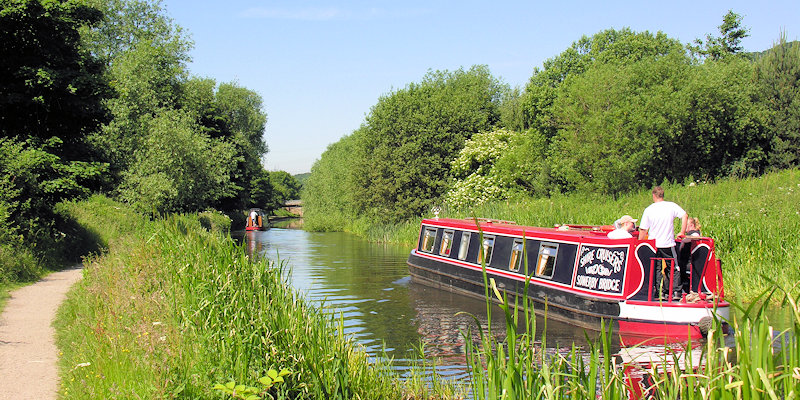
{"points": [[705, 325]]}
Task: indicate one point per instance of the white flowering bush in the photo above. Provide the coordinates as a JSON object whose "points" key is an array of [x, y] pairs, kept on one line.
{"points": [[477, 180], [475, 190]]}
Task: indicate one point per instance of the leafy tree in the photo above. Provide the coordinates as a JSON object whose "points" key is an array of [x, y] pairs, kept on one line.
{"points": [[728, 43], [723, 126], [328, 194], [608, 46], [178, 168], [146, 54], [778, 78], [411, 135], [49, 85], [477, 180], [286, 187]]}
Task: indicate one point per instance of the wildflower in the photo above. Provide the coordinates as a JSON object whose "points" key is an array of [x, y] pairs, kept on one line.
{"points": [[81, 365]]}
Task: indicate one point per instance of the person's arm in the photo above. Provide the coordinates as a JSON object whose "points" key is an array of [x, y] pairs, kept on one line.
{"points": [[642, 234], [684, 221]]}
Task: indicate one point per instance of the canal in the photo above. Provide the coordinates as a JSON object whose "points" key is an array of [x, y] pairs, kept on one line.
{"points": [[369, 286]]}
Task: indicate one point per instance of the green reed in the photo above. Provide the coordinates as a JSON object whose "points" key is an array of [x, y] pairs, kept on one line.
{"points": [[761, 364], [172, 309]]}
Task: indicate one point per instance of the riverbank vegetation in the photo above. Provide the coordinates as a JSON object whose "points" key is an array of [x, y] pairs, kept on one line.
{"points": [[755, 361], [601, 123], [97, 98], [174, 306]]}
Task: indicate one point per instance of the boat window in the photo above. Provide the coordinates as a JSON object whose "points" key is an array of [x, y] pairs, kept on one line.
{"points": [[428, 240], [447, 243], [488, 246], [462, 249], [516, 255], [546, 263]]}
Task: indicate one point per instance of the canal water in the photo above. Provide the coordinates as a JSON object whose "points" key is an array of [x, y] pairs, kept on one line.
{"points": [[369, 286]]}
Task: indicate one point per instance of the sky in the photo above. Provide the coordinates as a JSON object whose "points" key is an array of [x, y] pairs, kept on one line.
{"points": [[320, 66]]}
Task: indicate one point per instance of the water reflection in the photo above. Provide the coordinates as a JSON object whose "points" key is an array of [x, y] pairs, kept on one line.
{"points": [[368, 284]]}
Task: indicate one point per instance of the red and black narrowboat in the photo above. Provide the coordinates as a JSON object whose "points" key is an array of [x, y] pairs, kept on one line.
{"points": [[256, 220], [578, 272]]}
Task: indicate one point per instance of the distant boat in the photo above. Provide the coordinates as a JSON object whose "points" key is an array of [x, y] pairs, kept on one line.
{"points": [[256, 220], [577, 271]]}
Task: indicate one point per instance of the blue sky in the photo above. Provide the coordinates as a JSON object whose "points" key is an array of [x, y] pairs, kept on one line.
{"points": [[320, 66]]}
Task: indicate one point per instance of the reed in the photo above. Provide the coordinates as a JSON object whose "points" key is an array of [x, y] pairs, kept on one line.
{"points": [[171, 309], [760, 363]]}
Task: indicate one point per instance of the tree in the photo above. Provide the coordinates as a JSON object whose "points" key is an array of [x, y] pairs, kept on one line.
{"points": [[285, 185], [328, 197], [411, 135], [608, 46], [477, 180], [146, 55], [778, 79], [178, 168], [49, 85], [728, 43]]}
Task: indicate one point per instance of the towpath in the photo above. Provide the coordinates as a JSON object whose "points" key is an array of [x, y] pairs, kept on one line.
{"points": [[28, 353]]}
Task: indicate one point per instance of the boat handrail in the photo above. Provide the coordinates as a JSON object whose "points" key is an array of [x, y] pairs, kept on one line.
{"points": [[593, 228], [492, 221]]}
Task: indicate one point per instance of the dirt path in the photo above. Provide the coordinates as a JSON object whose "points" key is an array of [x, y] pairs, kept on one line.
{"points": [[28, 354]]}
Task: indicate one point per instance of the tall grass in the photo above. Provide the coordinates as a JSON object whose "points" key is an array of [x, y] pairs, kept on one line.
{"points": [[171, 309], [761, 364]]}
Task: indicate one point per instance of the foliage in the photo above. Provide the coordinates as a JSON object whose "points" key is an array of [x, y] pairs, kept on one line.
{"points": [[171, 308], [286, 187], [328, 195], [606, 47], [729, 43], [778, 79], [411, 135], [474, 169], [178, 168], [49, 85], [251, 392]]}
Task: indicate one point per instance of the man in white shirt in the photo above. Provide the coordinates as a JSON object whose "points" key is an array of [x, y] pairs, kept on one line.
{"points": [[657, 223], [626, 227]]}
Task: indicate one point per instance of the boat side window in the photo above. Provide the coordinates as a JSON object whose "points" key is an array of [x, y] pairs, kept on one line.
{"points": [[488, 246], [428, 240], [462, 249], [447, 243], [546, 262], [516, 255]]}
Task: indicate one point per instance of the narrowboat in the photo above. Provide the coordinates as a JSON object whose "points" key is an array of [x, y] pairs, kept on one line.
{"points": [[581, 275], [256, 220]]}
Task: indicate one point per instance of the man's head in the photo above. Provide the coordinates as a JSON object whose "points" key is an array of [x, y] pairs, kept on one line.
{"points": [[658, 193]]}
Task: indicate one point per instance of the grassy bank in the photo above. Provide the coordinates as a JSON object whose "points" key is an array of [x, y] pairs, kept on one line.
{"points": [[755, 223], [173, 308], [48, 245]]}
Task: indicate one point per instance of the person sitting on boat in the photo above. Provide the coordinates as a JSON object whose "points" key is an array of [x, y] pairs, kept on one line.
{"points": [[685, 251], [625, 228], [657, 223], [693, 227]]}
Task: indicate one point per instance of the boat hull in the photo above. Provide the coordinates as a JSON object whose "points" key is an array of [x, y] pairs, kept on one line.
{"points": [[637, 322]]}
